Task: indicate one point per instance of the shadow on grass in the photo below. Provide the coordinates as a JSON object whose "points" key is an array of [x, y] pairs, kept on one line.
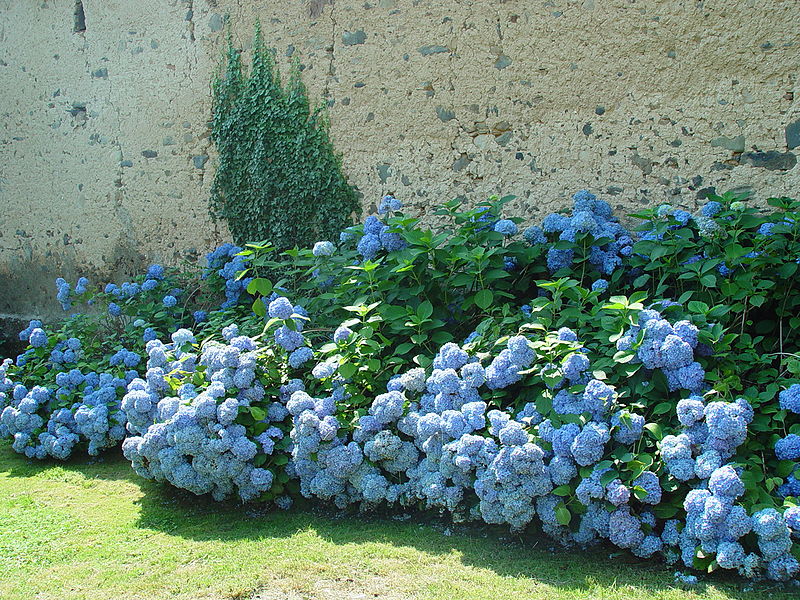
{"points": [[109, 465], [530, 555]]}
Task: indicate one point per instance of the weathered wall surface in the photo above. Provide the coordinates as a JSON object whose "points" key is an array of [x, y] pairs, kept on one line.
{"points": [[105, 160]]}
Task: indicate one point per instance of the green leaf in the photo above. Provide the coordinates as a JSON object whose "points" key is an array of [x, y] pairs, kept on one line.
{"points": [[483, 299], [709, 280], [403, 348], [662, 408], [562, 490], [347, 370], [259, 414], [425, 310], [259, 309], [639, 492], [655, 429], [563, 516], [608, 477], [259, 285], [442, 337], [664, 511]]}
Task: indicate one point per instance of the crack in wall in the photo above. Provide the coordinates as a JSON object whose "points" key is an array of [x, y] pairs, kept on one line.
{"points": [[115, 133], [190, 19], [331, 70]]}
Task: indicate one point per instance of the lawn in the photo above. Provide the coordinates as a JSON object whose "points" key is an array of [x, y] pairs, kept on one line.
{"points": [[97, 531]]}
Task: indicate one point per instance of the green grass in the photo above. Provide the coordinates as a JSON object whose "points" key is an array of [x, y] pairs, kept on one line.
{"points": [[96, 531]]}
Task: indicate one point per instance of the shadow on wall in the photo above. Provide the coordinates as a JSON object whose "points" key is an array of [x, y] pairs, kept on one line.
{"points": [[27, 281]]}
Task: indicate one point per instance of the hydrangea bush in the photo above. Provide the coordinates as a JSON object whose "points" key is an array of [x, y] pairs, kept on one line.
{"points": [[638, 387], [63, 392], [209, 418]]}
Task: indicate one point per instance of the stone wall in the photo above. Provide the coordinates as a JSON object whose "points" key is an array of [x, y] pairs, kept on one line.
{"points": [[106, 162]]}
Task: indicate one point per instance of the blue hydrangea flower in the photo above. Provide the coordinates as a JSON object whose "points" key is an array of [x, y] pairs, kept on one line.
{"points": [[706, 226], [788, 448], [38, 338], [790, 398], [342, 333], [534, 235], [369, 246], [300, 357], [323, 249], [155, 272], [559, 258], [507, 227], [711, 208], [280, 308], [389, 203], [391, 240]]}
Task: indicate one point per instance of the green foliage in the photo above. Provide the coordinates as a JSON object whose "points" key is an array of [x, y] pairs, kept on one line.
{"points": [[434, 290], [278, 177], [740, 274]]}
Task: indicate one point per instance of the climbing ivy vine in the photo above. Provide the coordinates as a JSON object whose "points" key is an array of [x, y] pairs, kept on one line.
{"points": [[279, 178]]}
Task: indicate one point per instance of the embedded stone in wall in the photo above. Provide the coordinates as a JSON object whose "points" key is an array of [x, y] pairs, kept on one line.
{"points": [[771, 161], [735, 144], [354, 38], [428, 50], [502, 62], [445, 114], [793, 135]]}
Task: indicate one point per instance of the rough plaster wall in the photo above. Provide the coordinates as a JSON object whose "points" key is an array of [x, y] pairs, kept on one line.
{"points": [[641, 101]]}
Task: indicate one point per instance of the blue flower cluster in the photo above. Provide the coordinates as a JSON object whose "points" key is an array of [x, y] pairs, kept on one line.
{"points": [[775, 543], [184, 417], [610, 240], [705, 221], [376, 236], [788, 447], [289, 337], [80, 409], [714, 523], [667, 347], [531, 431], [712, 433], [66, 352], [432, 439], [224, 262]]}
